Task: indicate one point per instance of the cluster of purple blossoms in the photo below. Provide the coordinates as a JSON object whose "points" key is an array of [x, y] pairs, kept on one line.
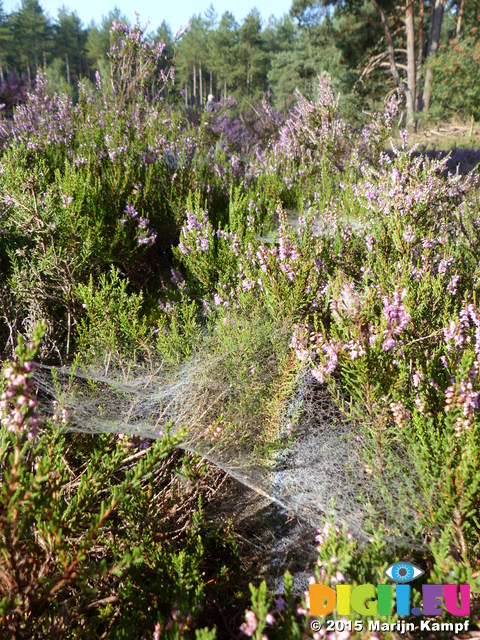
{"points": [[250, 626], [355, 349], [426, 257], [373, 135], [176, 277], [323, 534], [288, 255], [196, 233], [409, 234], [311, 346], [314, 134], [136, 62], [60, 414], [231, 238], [66, 200], [415, 188], [330, 360], [456, 334], [44, 118], [461, 395], [300, 343], [453, 283], [145, 235], [266, 269], [397, 318], [327, 570], [444, 265], [17, 403], [475, 318], [328, 529]]}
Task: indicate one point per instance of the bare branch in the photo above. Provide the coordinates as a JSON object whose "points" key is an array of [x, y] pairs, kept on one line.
{"points": [[389, 39]]}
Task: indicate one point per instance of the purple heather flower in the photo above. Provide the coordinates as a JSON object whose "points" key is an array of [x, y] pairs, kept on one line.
{"points": [[452, 285], [395, 313], [388, 343], [130, 211], [409, 233]]}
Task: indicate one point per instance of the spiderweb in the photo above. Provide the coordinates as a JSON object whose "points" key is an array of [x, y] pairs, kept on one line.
{"points": [[310, 461]]}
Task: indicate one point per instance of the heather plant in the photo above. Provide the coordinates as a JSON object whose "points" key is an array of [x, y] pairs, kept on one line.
{"points": [[74, 527], [44, 249], [371, 303], [379, 339], [313, 144], [316, 153], [113, 327], [100, 182], [374, 136], [137, 71], [405, 375], [43, 119]]}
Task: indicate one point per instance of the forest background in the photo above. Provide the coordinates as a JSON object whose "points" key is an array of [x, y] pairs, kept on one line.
{"points": [[429, 49]]}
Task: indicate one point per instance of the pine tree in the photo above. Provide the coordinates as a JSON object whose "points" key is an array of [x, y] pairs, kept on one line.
{"points": [[70, 41], [32, 35]]}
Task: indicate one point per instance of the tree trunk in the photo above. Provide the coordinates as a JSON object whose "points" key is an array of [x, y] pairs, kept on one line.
{"points": [[211, 91], [200, 83], [433, 41], [421, 14], [411, 69], [225, 90], [186, 94], [460, 18], [194, 83], [68, 68], [389, 39]]}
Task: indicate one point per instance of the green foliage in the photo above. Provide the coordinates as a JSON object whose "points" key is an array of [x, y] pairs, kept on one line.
{"points": [[83, 524], [113, 326], [178, 332], [456, 77], [31, 27]]}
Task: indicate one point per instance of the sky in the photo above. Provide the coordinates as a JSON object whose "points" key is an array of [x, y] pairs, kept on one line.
{"points": [[174, 12]]}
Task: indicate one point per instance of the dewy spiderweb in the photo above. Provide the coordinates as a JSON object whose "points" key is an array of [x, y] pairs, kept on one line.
{"points": [[316, 470]]}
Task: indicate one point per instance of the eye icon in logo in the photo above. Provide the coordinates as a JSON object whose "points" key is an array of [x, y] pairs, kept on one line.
{"points": [[403, 572]]}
